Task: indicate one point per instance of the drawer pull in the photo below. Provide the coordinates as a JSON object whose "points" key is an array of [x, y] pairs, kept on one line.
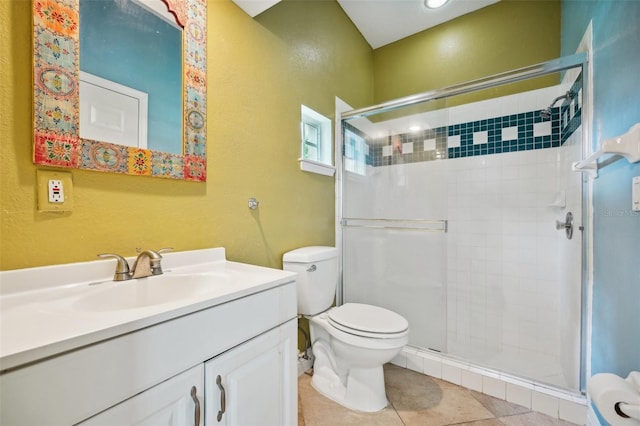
{"points": [[223, 399], [194, 396]]}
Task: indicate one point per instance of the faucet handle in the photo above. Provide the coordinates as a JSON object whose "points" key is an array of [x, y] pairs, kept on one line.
{"points": [[122, 266], [155, 257]]}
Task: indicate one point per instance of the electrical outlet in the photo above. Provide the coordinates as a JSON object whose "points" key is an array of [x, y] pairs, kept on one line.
{"points": [[55, 191], [635, 194]]}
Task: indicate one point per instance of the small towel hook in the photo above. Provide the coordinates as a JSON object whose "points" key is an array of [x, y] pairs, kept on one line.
{"points": [[253, 203]]}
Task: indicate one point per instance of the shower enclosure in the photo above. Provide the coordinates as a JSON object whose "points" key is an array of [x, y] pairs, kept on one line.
{"points": [[452, 209]]}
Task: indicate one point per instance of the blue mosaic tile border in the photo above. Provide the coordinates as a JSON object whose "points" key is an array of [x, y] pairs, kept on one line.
{"points": [[576, 119], [573, 125], [495, 145], [492, 143]]}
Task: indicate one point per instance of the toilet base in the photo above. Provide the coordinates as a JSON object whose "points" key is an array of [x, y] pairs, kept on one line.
{"points": [[363, 391]]}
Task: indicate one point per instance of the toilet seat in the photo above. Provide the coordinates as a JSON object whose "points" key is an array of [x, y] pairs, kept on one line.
{"points": [[368, 321]]}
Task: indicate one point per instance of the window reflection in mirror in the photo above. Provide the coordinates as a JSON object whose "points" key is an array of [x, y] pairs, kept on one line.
{"points": [[131, 50]]}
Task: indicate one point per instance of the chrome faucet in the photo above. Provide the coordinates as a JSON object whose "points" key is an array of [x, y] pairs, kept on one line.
{"points": [[147, 263]]}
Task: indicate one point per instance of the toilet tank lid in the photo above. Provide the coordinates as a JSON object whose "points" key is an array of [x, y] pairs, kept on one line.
{"points": [[310, 254]]}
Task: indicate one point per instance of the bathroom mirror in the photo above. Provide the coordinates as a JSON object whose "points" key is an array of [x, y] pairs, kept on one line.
{"points": [[58, 140]]}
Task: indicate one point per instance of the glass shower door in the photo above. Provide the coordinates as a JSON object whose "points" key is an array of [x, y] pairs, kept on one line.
{"points": [[394, 245], [448, 217], [399, 265]]}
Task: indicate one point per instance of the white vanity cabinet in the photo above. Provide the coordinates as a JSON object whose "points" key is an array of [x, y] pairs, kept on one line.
{"points": [[175, 402], [144, 374], [254, 383], [251, 384]]}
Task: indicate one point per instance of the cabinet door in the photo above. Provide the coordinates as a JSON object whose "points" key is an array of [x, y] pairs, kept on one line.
{"points": [[170, 403], [257, 382]]}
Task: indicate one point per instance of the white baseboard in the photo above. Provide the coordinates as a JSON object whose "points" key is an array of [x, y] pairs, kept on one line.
{"points": [[557, 403]]}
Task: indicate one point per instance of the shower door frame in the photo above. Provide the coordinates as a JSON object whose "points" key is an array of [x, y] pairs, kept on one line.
{"points": [[580, 59]]}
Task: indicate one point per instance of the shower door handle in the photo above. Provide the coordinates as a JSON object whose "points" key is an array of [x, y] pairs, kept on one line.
{"points": [[567, 225]]}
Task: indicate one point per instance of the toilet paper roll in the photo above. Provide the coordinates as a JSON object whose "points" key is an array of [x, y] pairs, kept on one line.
{"points": [[607, 391]]}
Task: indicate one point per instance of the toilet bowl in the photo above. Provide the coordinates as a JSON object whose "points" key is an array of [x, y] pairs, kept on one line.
{"points": [[350, 342], [348, 361]]}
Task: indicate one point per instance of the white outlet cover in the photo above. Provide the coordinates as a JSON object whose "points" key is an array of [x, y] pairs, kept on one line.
{"points": [[635, 194], [56, 191]]}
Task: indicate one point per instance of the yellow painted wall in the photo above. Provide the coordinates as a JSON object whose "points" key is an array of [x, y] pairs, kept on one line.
{"points": [[259, 72], [507, 35]]}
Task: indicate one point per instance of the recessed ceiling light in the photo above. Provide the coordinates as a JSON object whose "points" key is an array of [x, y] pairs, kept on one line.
{"points": [[434, 4]]}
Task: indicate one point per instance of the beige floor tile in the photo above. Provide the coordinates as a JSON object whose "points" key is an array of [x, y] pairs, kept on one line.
{"points": [[418, 400], [487, 422], [422, 400], [533, 419], [499, 407], [320, 411], [300, 412]]}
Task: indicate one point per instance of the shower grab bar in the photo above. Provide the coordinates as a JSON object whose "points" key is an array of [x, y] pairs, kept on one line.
{"points": [[401, 224]]}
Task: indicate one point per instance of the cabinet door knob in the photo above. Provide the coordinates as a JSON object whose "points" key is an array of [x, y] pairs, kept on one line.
{"points": [[223, 399], [194, 396]]}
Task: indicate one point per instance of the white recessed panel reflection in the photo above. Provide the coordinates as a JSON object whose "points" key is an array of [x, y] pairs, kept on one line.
{"points": [[111, 112]]}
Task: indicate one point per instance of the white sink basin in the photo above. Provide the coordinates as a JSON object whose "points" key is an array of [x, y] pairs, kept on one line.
{"points": [[49, 310], [152, 291]]}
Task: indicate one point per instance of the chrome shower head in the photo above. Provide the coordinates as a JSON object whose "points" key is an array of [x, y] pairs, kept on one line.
{"points": [[545, 114]]}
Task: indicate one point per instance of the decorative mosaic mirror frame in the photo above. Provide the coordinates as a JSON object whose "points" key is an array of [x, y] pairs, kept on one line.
{"points": [[56, 111]]}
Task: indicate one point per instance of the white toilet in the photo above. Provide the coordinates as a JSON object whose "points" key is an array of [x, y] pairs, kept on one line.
{"points": [[350, 342]]}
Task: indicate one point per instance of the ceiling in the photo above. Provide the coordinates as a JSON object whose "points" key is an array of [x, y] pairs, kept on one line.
{"points": [[384, 21]]}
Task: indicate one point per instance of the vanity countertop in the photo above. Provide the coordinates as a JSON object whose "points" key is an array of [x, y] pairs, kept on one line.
{"points": [[41, 314]]}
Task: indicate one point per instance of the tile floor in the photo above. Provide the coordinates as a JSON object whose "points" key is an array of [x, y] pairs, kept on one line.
{"points": [[417, 399]]}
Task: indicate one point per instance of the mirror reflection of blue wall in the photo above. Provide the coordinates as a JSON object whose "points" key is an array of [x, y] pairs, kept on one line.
{"points": [[124, 42]]}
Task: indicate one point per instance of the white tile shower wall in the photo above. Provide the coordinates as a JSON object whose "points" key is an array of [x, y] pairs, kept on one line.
{"points": [[503, 284], [506, 105], [503, 277], [406, 191]]}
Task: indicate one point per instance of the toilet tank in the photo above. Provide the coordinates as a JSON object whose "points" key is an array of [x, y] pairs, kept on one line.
{"points": [[317, 269]]}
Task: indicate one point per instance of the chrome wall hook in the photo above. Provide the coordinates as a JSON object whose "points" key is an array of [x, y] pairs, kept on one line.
{"points": [[253, 203]]}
